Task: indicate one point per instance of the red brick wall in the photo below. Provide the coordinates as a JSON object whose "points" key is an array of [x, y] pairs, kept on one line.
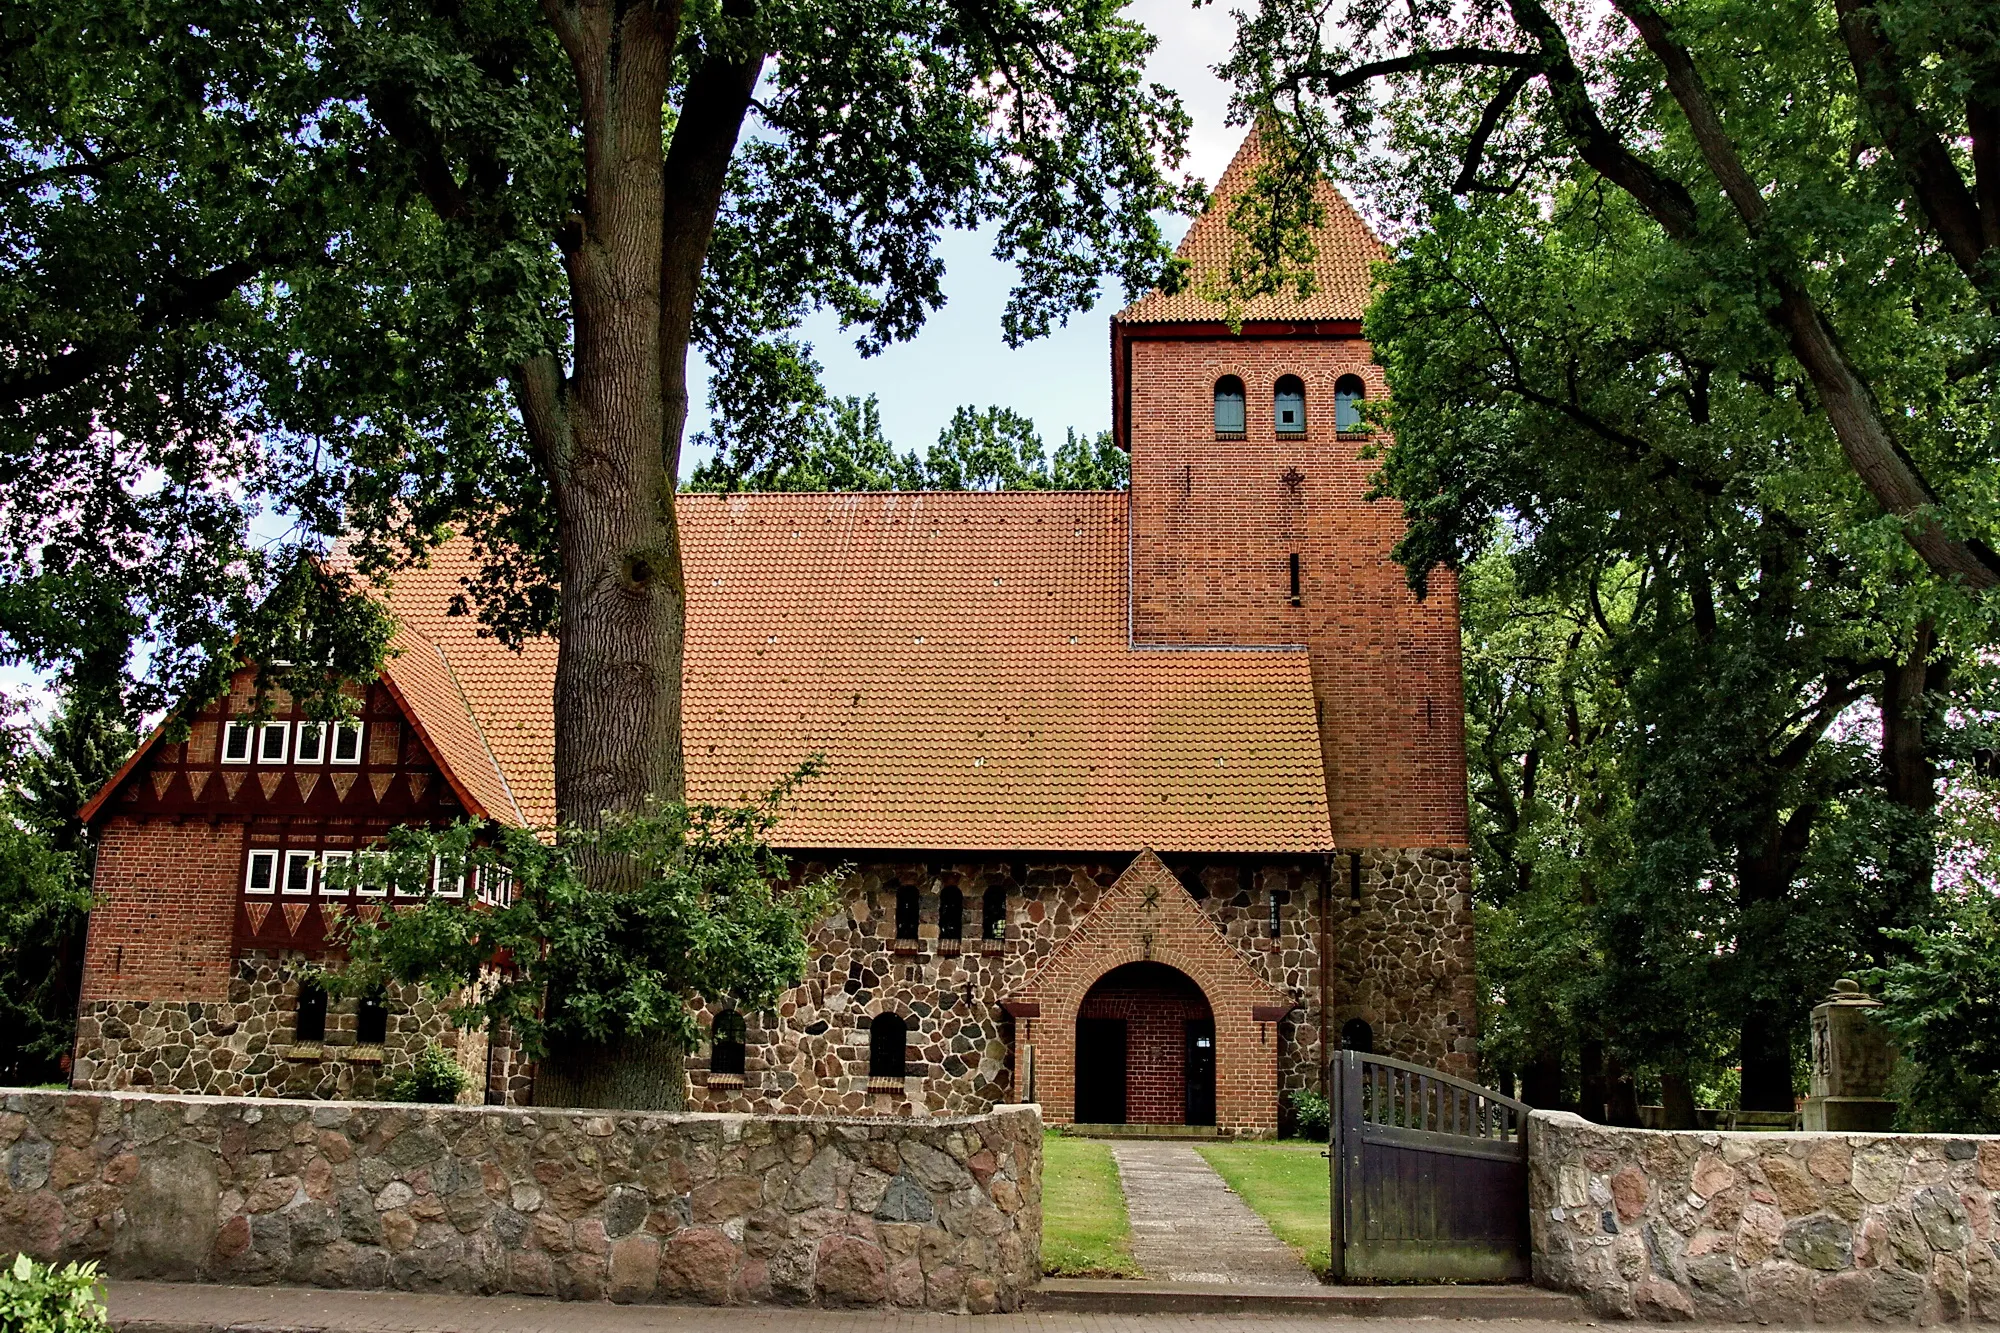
{"points": [[1214, 522], [165, 922], [1156, 1003]]}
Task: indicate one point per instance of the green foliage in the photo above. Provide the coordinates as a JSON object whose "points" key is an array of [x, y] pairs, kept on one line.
{"points": [[45, 862], [1312, 1117], [434, 1077], [41, 1298], [981, 450], [291, 263], [1941, 1003], [609, 933]]}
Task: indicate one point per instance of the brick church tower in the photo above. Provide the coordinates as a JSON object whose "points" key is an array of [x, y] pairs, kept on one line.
{"points": [[1250, 528]]}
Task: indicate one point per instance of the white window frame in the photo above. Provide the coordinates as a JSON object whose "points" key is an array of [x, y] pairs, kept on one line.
{"points": [[248, 731], [293, 857], [283, 731], [269, 856], [438, 889], [337, 732], [328, 860], [374, 875], [318, 731], [494, 885]]}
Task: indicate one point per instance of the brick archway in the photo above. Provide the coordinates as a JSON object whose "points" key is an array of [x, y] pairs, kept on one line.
{"points": [[1147, 916]]}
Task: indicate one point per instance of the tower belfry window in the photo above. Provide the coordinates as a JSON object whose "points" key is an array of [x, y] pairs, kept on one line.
{"points": [[1348, 395], [1229, 400], [1289, 405]]}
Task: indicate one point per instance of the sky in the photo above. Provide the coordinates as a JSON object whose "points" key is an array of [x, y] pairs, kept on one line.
{"points": [[960, 358]]}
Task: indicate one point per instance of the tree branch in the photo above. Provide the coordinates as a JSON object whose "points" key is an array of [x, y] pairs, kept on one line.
{"points": [[1489, 121], [91, 166], [1914, 145], [168, 308], [1331, 83]]}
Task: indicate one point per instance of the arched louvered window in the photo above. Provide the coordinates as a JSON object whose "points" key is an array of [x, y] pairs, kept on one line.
{"points": [[725, 1051], [951, 913], [1348, 395], [1229, 402], [888, 1036], [906, 911], [1289, 405]]}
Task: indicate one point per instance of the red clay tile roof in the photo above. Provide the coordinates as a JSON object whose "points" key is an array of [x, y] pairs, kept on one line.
{"points": [[423, 682], [1345, 248], [960, 660]]}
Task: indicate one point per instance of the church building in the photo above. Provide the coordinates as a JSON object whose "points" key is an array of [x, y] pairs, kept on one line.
{"points": [[1145, 801]]}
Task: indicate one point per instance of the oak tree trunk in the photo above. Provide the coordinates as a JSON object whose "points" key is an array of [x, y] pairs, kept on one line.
{"points": [[608, 434]]}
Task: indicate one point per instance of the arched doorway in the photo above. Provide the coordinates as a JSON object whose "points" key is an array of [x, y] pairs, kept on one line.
{"points": [[1145, 1049]]}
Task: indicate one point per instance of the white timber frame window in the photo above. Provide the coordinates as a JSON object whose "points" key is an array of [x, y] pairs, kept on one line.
{"points": [[260, 875], [237, 740], [299, 867]]}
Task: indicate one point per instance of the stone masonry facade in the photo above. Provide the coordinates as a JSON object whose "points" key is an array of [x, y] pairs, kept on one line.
{"points": [[941, 1214], [1784, 1229], [244, 1045], [1399, 959]]}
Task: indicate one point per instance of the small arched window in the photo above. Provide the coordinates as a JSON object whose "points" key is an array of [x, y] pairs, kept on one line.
{"points": [[906, 911], [725, 1050], [1348, 395], [951, 913], [993, 914], [1289, 405], [888, 1035], [1356, 1035], [309, 1022], [371, 1021], [1229, 401]]}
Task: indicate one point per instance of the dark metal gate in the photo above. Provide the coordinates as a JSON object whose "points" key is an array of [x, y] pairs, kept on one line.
{"points": [[1430, 1176]]}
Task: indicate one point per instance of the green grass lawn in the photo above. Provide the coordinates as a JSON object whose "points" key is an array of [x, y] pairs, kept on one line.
{"points": [[1286, 1185], [1084, 1229]]}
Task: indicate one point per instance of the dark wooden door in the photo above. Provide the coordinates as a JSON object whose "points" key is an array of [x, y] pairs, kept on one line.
{"points": [[1430, 1176], [1100, 1071], [1200, 1071]]}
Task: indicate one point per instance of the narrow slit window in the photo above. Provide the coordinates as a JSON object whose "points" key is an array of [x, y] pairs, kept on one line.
{"points": [[993, 914], [951, 913], [262, 874], [1289, 405], [1295, 577], [309, 1018], [371, 1021], [906, 911], [311, 747], [346, 747], [328, 882], [888, 1037], [1349, 393], [236, 742], [726, 1044], [273, 741], [1229, 401], [299, 873]]}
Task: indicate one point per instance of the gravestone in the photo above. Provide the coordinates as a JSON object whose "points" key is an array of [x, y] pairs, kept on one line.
{"points": [[1851, 1064]]}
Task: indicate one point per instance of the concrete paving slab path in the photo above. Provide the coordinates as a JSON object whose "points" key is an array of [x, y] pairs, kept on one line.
{"points": [[1189, 1226], [175, 1307]]}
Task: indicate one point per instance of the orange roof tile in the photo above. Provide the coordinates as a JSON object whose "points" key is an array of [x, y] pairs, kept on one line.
{"points": [[1345, 248], [961, 661], [423, 682]]}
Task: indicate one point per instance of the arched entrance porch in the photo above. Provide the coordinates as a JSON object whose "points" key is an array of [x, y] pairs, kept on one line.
{"points": [[1145, 1049]]}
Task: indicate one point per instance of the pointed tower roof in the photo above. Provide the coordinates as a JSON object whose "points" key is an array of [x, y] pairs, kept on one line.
{"points": [[1344, 249]]}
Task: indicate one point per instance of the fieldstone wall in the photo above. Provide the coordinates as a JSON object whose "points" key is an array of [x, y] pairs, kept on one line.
{"points": [[244, 1046], [941, 1214], [1401, 960], [1780, 1228]]}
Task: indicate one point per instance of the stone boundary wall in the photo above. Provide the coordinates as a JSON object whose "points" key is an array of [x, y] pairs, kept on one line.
{"points": [[1780, 1228], [939, 1214]]}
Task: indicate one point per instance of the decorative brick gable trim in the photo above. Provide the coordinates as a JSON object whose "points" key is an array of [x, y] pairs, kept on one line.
{"points": [[1148, 916]]}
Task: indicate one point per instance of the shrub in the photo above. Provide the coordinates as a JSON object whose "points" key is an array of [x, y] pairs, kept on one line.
{"points": [[1312, 1118], [41, 1298], [435, 1077]]}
